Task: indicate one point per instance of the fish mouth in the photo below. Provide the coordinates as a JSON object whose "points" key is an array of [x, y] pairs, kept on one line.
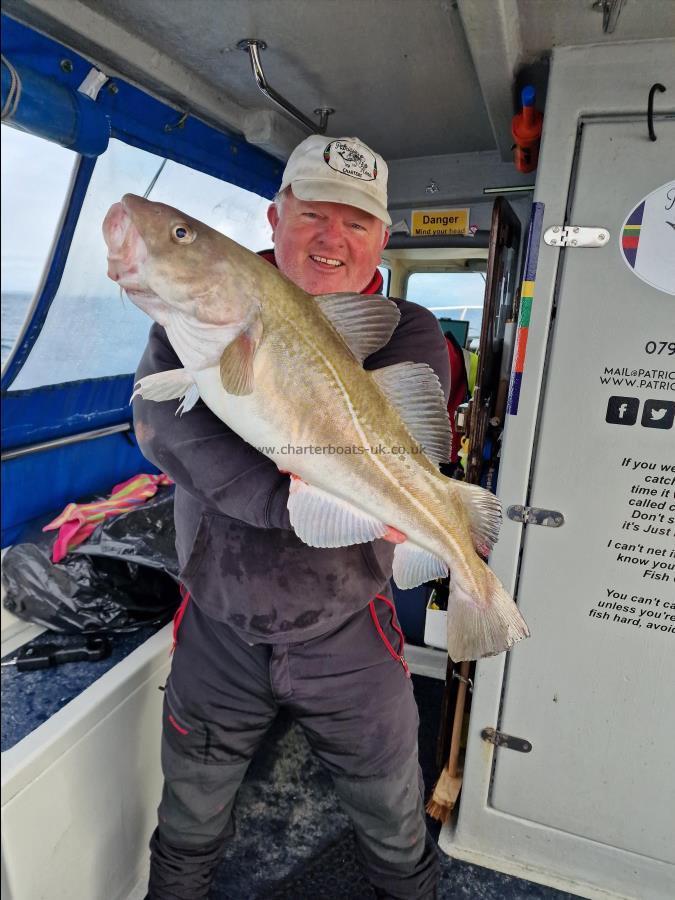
{"points": [[126, 249]]}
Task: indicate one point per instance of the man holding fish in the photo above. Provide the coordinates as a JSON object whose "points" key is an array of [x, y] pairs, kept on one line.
{"points": [[287, 556]]}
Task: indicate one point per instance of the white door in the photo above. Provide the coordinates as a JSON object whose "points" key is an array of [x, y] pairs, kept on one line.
{"points": [[592, 690]]}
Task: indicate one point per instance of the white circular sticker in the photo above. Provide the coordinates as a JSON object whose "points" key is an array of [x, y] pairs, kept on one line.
{"points": [[648, 239]]}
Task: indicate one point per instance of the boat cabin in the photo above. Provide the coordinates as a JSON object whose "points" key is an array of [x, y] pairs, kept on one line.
{"points": [[530, 146]]}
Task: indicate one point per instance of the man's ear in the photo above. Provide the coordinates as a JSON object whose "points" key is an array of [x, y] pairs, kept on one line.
{"points": [[273, 217], [385, 238]]}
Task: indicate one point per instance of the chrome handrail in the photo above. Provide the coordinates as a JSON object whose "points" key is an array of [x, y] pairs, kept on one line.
{"points": [[252, 47], [64, 441]]}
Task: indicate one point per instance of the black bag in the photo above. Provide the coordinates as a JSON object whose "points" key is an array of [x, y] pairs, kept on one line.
{"points": [[123, 577]]}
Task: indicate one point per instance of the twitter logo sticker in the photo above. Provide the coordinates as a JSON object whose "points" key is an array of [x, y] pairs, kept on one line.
{"points": [[658, 413]]}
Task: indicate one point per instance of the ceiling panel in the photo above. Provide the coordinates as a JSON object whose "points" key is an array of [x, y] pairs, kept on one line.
{"points": [[401, 74], [551, 23], [406, 60]]}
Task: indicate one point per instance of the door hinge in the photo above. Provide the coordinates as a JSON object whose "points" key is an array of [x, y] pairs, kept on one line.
{"points": [[576, 236], [532, 515], [499, 739]]}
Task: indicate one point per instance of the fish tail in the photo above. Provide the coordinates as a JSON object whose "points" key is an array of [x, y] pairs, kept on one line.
{"points": [[482, 626]]}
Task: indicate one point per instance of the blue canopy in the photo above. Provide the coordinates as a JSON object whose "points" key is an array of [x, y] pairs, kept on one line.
{"points": [[40, 80]]}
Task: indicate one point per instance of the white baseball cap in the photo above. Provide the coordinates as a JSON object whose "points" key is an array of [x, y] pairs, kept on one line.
{"points": [[338, 170]]}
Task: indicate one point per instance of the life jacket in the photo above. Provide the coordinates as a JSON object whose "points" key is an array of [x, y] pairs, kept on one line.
{"points": [[459, 391]]}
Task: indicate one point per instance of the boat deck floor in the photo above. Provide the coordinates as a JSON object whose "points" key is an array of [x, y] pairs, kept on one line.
{"points": [[294, 841], [292, 838], [30, 698]]}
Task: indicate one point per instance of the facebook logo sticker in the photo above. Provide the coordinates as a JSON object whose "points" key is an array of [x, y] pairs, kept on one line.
{"points": [[622, 410]]}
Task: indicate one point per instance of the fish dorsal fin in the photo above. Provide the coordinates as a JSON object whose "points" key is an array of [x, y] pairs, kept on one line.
{"points": [[236, 362], [365, 321], [413, 566], [416, 393], [322, 520], [485, 515]]}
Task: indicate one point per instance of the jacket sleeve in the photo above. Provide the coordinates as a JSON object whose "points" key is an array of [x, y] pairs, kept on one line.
{"points": [[418, 338], [205, 457]]}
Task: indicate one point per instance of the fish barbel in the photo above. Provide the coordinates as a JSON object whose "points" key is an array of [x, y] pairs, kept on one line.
{"points": [[283, 369]]}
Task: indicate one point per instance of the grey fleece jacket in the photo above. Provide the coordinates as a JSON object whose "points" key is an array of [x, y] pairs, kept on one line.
{"points": [[239, 557]]}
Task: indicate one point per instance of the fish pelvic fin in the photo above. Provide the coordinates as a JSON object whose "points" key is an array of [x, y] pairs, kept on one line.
{"points": [[236, 362], [413, 565], [485, 628], [173, 384]]}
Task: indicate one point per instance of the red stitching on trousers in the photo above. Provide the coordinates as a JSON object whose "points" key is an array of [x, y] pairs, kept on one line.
{"points": [[180, 612], [387, 643], [177, 726]]}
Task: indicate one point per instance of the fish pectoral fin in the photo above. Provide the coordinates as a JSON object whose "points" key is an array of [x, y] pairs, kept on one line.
{"points": [[416, 393], [482, 626], [170, 385], [322, 520], [189, 400], [484, 512], [413, 566], [236, 363], [365, 321]]}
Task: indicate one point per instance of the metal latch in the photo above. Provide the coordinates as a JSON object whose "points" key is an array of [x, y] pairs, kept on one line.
{"points": [[576, 236], [499, 739], [532, 515]]}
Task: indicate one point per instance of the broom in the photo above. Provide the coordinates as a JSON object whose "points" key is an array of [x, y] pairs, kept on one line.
{"points": [[444, 796]]}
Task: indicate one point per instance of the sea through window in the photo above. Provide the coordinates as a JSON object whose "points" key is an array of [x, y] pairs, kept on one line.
{"points": [[92, 330], [36, 177], [451, 295]]}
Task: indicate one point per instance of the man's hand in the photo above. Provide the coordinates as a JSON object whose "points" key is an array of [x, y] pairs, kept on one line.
{"points": [[394, 536]]}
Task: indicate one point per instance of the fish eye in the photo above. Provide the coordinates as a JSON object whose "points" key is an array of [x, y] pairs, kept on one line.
{"points": [[182, 233]]}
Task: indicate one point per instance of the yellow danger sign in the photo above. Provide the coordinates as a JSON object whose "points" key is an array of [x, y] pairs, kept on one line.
{"points": [[439, 221]]}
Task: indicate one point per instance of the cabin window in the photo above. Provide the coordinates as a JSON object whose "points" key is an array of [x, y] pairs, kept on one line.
{"points": [[385, 272], [92, 330], [35, 183], [450, 295], [236, 212]]}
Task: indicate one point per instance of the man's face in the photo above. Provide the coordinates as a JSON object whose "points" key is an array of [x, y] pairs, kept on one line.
{"points": [[326, 247]]}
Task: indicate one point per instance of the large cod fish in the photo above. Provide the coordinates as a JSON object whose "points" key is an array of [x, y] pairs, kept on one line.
{"points": [[282, 367]]}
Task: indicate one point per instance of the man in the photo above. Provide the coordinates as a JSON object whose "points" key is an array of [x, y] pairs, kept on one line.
{"points": [[271, 622]]}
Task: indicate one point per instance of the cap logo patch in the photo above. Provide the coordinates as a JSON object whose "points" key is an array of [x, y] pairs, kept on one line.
{"points": [[351, 159]]}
